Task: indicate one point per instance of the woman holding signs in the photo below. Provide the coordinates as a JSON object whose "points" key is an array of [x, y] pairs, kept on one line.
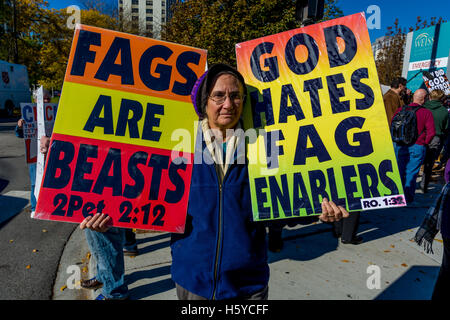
{"points": [[222, 254]]}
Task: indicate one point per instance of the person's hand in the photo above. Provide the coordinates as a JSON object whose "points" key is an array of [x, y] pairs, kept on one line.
{"points": [[99, 222], [331, 212], [44, 144], [20, 123]]}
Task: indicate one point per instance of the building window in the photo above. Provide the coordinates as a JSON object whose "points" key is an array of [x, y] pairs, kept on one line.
{"points": [[163, 3], [163, 19], [149, 3], [149, 10], [135, 2], [134, 18], [149, 27], [163, 11], [135, 10], [149, 18]]}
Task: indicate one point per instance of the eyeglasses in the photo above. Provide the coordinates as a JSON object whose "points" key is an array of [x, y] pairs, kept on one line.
{"points": [[220, 98]]}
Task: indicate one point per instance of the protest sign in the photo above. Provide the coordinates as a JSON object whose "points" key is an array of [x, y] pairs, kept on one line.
{"points": [[29, 115], [320, 127], [112, 149], [438, 80], [40, 134]]}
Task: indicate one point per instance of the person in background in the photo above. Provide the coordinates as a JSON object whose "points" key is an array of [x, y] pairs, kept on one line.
{"points": [[392, 98], [406, 96], [410, 157], [441, 124], [31, 166], [445, 154]]}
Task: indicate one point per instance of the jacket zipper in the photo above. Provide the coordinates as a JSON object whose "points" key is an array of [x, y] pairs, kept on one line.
{"points": [[219, 237]]}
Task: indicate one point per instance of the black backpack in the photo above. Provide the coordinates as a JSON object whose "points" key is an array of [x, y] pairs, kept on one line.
{"points": [[404, 126]]}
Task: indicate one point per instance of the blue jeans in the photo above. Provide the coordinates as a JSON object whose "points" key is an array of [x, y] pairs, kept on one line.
{"points": [[107, 249], [32, 173], [409, 160]]}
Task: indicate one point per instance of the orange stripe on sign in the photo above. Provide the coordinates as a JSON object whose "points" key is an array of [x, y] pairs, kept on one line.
{"points": [[126, 62]]}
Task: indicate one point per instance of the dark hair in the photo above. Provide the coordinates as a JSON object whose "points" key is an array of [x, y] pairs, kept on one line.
{"points": [[397, 81], [203, 86]]}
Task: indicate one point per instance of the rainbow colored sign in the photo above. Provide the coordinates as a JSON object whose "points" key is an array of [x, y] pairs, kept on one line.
{"points": [[112, 149], [319, 119]]}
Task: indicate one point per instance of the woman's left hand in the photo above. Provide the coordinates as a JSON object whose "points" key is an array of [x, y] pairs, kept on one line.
{"points": [[331, 212], [99, 222]]}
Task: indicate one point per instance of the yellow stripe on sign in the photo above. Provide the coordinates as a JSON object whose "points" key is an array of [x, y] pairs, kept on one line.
{"points": [[111, 115]]}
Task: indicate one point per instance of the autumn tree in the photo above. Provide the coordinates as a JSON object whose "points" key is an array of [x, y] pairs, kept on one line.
{"points": [[389, 61], [21, 42], [218, 25], [57, 39], [43, 37]]}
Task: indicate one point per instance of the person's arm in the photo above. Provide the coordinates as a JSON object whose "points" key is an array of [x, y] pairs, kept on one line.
{"points": [[394, 114], [19, 128]]}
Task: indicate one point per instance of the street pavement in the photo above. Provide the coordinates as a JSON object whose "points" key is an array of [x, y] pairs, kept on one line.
{"points": [[30, 250], [313, 265]]}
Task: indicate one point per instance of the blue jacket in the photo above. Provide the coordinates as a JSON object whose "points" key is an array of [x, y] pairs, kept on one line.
{"points": [[222, 253]]}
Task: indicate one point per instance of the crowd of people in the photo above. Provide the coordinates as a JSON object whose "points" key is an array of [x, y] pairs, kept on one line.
{"points": [[223, 253], [430, 143]]}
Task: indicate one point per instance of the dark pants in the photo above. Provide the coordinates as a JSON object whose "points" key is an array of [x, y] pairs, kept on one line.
{"points": [[431, 155], [184, 294], [348, 227], [445, 150], [130, 240], [442, 287]]}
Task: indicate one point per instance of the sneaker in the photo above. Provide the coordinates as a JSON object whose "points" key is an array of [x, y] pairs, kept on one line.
{"points": [[102, 297], [91, 284], [356, 240]]}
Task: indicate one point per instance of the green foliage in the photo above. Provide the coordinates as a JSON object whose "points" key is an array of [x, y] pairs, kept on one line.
{"points": [[42, 38], [218, 25]]}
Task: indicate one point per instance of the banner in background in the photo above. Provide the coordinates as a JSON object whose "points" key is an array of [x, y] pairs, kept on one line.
{"points": [[426, 49], [29, 115], [111, 148], [317, 125], [438, 81]]}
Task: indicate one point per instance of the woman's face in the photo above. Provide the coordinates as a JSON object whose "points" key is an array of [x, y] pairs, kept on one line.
{"points": [[225, 102]]}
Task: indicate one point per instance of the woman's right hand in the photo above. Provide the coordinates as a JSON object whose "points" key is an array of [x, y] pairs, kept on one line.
{"points": [[100, 222]]}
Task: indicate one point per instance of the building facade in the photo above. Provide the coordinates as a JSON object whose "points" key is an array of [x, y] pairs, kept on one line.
{"points": [[379, 44], [147, 15]]}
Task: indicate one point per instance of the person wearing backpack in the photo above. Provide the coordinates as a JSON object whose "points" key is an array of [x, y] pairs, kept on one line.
{"points": [[412, 128], [393, 97], [441, 124]]}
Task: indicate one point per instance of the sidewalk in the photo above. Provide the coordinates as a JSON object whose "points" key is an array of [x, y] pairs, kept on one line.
{"points": [[312, 264]]}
